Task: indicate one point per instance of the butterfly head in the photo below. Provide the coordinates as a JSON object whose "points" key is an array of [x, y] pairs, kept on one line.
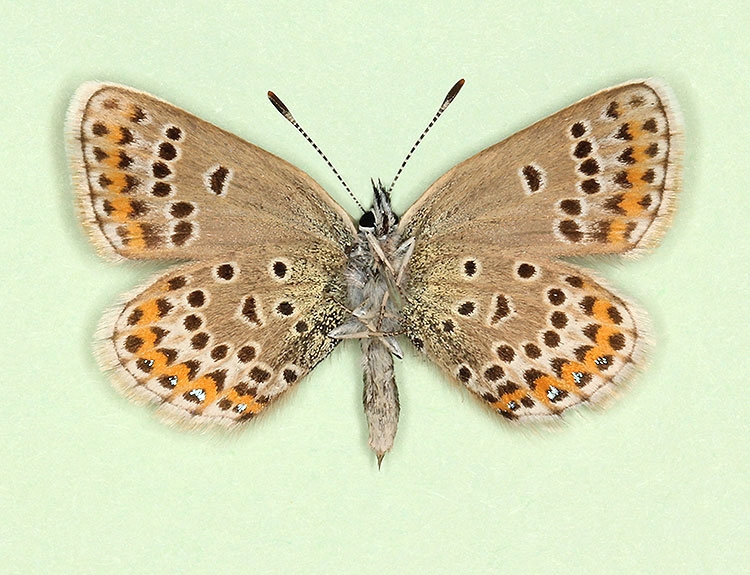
{"points": [[379, 220]]}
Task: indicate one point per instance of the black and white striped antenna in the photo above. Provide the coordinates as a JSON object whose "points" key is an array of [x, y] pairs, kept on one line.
{"points": [[452, 93], [284, 111]]}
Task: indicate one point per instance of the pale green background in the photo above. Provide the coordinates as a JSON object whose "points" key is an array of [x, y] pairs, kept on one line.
{"points": [[91, 483]]}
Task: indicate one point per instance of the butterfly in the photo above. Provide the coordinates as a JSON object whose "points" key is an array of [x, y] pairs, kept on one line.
{"points": [[276, 273]]}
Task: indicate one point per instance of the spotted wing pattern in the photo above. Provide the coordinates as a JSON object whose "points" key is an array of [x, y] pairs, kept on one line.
{"points": [[154, 181], [531, 337], [597, 177], [217, 342], [487, 298]]}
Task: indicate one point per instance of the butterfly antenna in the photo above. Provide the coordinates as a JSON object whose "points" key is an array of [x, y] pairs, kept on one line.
{"points": [[284, 111], [452, 93]]}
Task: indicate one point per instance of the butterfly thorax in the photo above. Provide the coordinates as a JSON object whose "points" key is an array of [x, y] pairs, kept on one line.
{"points": [[372, 274]]}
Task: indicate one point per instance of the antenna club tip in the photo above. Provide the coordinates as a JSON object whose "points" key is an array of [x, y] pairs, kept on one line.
{"points": [[279, 105], [453, 92]]}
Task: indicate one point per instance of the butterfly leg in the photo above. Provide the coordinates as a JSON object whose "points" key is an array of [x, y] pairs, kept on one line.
{"points": [[408, 249], [393, 278], [378, 253]]}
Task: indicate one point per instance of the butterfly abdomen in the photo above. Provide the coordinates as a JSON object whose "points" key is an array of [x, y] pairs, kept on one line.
{"points": [[379, 395]]}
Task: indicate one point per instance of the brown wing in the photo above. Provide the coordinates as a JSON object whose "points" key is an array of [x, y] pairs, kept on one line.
{"points": [[216, 342], [156, 182], [600, 176], [529, 336]]}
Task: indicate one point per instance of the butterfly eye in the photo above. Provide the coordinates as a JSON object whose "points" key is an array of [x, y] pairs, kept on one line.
{"points": [[367, 220]]}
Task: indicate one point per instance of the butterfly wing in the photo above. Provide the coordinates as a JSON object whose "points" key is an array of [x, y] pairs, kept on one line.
{"points": [[154, 181], [529, 336], [217, 342], [597, 177], [485, 296]]}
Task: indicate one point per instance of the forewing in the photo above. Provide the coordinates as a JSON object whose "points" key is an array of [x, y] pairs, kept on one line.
{"points": [[597, 177], [529, 336], [154, 181], [217, 342]]}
